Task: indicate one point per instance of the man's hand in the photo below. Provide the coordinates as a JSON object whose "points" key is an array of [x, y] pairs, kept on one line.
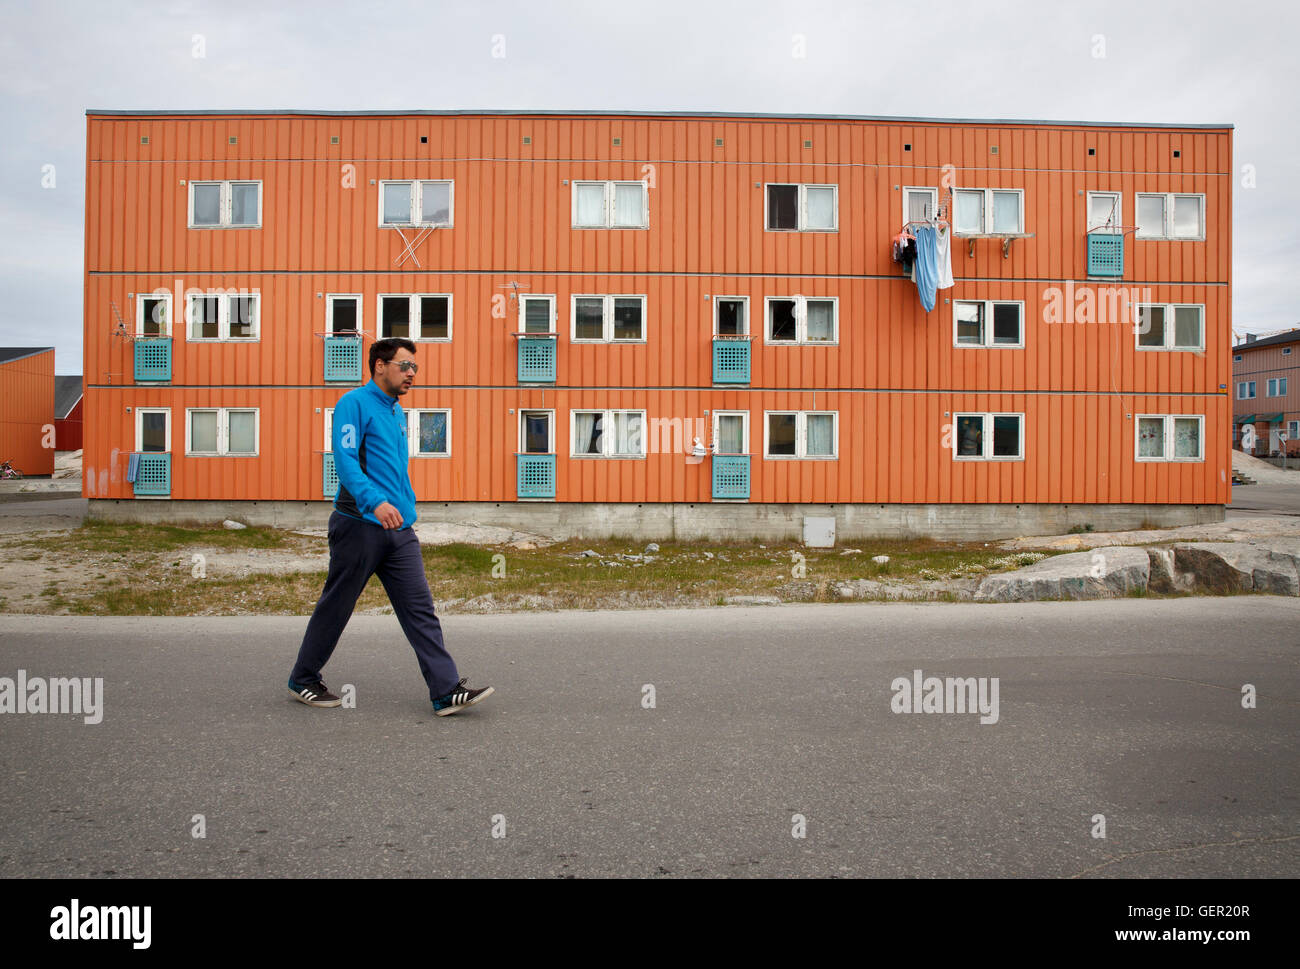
{"points": [[388, 516]]}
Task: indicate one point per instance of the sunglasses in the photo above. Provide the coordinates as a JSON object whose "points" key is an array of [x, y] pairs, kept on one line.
{"points": [[406, 366]]}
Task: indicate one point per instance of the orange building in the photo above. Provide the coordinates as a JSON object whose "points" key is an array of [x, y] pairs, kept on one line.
{"points": [[27, 436], [664, 324]]}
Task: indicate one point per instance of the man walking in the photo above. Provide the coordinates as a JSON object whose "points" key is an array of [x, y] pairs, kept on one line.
{"points": [[370, 533]]}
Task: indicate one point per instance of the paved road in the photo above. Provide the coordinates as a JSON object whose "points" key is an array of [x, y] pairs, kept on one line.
{"points": [[1127, 708], [1264, 499]]}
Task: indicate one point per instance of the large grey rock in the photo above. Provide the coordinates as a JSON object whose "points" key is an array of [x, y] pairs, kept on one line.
{"points": [[1099, 574], [1242, 566], [1165, 576]]}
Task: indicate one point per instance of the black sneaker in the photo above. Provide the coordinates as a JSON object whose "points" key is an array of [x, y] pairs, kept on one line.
{"points": [[459, 698], [313, 694]]}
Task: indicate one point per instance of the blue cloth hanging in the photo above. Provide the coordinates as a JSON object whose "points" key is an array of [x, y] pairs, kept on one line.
{"points": [[132, 467], [927, 264]]}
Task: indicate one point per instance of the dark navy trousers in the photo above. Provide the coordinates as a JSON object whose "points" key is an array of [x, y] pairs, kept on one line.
{"points": [[358, 550]]}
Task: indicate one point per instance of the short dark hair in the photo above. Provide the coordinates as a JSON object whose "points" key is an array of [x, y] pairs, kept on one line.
{"points": [[385, 350]]}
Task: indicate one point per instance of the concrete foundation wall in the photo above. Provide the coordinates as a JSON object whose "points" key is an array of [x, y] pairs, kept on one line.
{"points": [[717, 521]]}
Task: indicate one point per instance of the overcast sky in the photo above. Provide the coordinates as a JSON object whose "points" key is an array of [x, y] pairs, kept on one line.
{"points": [[1195, 63]]}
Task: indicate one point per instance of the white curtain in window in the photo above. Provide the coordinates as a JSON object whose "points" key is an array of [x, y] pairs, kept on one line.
{"points": [[591, 204], [970, 211], [1151, 215], [920, 205], [1187, 437], [1151, 437], [731, 434], [1187, 326], [203, 430], [820, 435], [243, 438], [207, 204], [397, 203], [1006, 211], [820, 203], [587, 433], [628, 433], [821, 319], [1187, 217], [243, 203], [629, 204]]}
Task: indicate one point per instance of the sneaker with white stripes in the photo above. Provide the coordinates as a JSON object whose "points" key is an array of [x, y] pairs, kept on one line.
{"points": [[460, 698], [313, 694]]}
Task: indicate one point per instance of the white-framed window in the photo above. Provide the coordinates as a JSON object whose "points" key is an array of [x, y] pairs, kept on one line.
{"points": [[329, 430], [1105, 212], [611, 205], [225, 205], [1293, 430], [988, 323], [919, 203], [1170, 215], [1246, 390], [1170, 326], [1169, 437], [343, 313], [1286, 351], [985, 211], [428, 430], [153, 314], [730, 315], [731, 432], [608, 319], [415, 316], [802, 319], [793, 207], [1276, 387], [607, 433], [153, 429], [220, 317], [536, 314], [537, 431], [221, 431], [1236, 358], [801, 434], [416, 202], [988, 437]]}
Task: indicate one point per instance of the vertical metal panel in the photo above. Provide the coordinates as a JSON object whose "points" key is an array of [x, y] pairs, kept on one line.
{"points": [[27, 412]]}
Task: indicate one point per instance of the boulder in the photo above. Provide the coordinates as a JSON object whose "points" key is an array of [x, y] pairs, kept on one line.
{"points": [[1100, 574], [1222, 567]]}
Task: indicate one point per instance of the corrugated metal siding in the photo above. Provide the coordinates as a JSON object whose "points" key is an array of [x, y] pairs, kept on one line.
{"points": [[26, 411], [892, 371], [893, 447]]}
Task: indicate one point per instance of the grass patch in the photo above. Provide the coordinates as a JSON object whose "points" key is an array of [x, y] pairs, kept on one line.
{"points": [[104, 536], [129, 569]]}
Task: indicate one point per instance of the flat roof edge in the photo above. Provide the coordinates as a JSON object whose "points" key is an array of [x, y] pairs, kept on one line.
{"points": [[495, 112]]}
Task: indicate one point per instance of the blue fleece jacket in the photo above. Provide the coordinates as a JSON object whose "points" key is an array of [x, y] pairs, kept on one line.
{"points": [[370, 455]]}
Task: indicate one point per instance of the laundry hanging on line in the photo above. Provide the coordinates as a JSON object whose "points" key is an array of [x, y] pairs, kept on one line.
{"points": [[927, 264], [943, 244]]}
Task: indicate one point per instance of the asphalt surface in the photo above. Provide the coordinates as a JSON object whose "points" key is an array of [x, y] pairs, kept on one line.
{"points": [[1129, 709], [1264, 499]]}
